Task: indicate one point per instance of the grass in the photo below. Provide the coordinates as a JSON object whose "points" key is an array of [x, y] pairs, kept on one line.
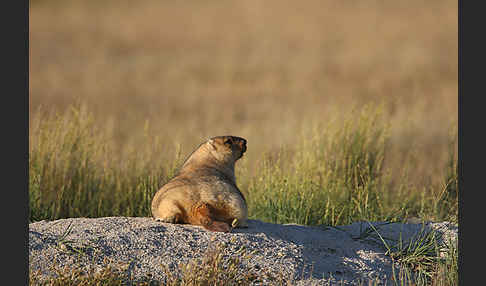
{"points": [[108, 276], [74, 171], [334, 176], [214, 268]]}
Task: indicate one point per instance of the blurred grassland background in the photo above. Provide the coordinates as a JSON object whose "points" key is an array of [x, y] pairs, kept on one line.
{"points": [[349, 107]]}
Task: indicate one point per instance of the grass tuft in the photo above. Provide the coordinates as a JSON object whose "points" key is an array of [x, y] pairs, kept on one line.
{"points": [[421, 261], [72, 276]]}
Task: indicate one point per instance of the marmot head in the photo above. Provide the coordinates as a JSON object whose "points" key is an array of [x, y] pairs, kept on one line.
{"points": [[227, 148]]}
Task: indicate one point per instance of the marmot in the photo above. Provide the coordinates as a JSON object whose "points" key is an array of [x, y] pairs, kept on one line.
{"points": [[204, 191]]}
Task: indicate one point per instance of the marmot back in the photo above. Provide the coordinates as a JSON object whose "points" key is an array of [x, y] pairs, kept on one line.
{"points": [[204, 191]]}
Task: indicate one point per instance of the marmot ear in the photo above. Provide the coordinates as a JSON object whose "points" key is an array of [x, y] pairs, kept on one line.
{"points": [[211, 144]]}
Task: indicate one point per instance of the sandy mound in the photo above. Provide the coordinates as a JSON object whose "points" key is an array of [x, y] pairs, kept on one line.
{"points": [[306, 254]]}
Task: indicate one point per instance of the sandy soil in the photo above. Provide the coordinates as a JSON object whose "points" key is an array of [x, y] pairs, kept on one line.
{"points": [[306, 255]]}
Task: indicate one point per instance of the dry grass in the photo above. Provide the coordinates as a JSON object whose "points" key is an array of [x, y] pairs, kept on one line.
{"points": [[213, 267], [260, 70]]}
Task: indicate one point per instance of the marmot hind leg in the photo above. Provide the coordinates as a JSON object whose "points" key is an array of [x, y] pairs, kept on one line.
{"points": [[176, 218], [203, 215], [168, 212]]}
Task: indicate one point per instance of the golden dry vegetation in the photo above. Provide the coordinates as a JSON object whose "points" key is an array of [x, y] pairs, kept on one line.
{"points": [[183, 71]]}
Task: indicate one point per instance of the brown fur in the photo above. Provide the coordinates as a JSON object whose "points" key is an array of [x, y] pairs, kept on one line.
{"points": [[204, 192]]}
